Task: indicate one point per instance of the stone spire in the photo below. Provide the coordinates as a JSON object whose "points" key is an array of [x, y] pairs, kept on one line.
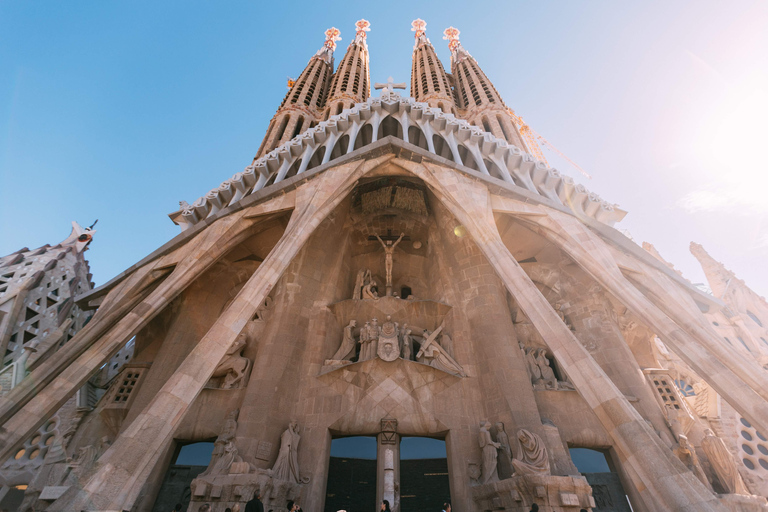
{"points": [[351, 83], [720, 279], [477, 99], [302, 106], [429, 81]]}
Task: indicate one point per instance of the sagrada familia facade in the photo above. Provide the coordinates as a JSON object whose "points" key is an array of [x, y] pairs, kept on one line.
{"points": [[388, 267]]}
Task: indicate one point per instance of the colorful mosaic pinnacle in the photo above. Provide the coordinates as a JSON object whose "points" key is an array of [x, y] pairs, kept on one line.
{"points": [[452, 35], [362, 26], [331, 36], [419, 26]]}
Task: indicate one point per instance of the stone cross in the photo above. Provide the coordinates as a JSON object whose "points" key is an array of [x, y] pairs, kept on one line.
{"points": [[389, 86]]}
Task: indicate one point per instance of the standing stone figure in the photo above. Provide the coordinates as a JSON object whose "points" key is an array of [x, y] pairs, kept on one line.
{"points": [[446, 343], [530, 361], [533, 458], [547, 374], [490, 454], [287, 464], [722, 463], [359, 282], [347, 349], [373, 335], [226, 436], [505, 452], [687, 455], [365, 341], [407, 345], [389, 250]]}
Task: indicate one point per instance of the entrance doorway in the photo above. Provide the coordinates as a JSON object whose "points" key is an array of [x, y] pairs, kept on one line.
{"points": [[607, 491], [189, 461], [352, 475], [424, 483]]}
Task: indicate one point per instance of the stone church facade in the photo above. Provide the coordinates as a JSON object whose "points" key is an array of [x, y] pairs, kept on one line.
{"points": [[393, 267]]}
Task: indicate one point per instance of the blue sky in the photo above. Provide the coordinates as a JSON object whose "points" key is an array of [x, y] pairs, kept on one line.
{"points": [[118, 110]]}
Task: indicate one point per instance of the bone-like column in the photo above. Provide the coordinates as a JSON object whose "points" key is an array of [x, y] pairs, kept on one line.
{"points": [[208, 247], [731, 375], [124, 468], [661, 479]]}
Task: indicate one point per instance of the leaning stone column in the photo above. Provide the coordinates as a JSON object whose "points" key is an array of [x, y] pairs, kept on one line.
{"points": [[661, 479], [124, 468]]}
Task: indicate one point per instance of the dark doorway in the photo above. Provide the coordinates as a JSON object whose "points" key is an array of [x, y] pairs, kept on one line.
{"points": [[189, 461], [607, 491], [352, 475], [424, 483], [405, 292]]}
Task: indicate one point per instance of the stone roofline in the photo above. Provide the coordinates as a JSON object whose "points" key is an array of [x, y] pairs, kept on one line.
{"points": [[509, 163], [92, 298]]}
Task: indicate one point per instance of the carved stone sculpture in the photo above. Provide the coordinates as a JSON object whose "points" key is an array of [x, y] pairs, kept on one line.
{"points": [[446, 343], [357, 292], [369, 290], [233, 367], [407, 343], [533, 458], [348, 344], [226, 436], [225, 461], [490, 454], [373, 335], [547, 374], [505, 452], [388, 347], [687, 455], [432, 354], [365, 342], [389, 250], [530, 361], [287, 464], [722, 463]]}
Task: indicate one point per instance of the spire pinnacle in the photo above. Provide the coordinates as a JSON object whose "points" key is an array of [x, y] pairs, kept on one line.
{"points": [[452, 35], [362, 26], [331, 36], [419, 26]]}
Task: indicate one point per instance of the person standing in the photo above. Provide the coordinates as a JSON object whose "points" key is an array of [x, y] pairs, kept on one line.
{"points": [[385, 506], [255, 505], [446, 507]]}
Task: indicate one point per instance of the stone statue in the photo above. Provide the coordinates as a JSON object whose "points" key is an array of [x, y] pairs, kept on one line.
{"points": [[359, 282], [533, 457], [490, 454], [446, 343], [369, 290], [547, 374], [530, 361], [722, 463], [407, 342], [287, 464], [227, 435], [365, 342], [348, 344], [505, 452], [432, 354], [389, 250], [225, 461], [388, 348], [373, 335], [233, 366], [687, 455]]}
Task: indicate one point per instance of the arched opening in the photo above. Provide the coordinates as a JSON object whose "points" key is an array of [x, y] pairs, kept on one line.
{"points": [[607, 490], [754, 318], [486, 125], [416, 137], [467, 158], [340, 149], [299, 125], [423, 473], [364, 137], [317, 158], [503, 129], [339, 108], [441, 147], [440, 106], [188, 462], [281, 129], [351, 474], [405, 292], [390, 126], [294, 168]]}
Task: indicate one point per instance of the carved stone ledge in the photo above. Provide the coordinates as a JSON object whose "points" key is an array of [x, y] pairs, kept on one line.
{"points": [[555, 493]]}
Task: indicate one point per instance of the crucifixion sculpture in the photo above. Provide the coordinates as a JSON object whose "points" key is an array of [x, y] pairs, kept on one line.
{"points": [[388, 242]]}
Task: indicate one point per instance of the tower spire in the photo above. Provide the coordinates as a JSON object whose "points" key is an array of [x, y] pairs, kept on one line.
{"points": [[477, 99], [429, 82], [302, 106], [351, 82]]}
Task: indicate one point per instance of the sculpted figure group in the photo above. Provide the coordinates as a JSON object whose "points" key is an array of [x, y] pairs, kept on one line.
{"points": [[498, 462], [390, 340], [539, 368]]}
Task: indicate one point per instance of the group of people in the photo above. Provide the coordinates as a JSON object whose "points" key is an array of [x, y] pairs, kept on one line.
{"points": [[255, 505]]}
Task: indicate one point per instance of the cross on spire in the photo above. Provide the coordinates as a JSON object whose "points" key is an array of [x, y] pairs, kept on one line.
{"points": [[389, 86], [452, 35], [331, 36], [419, 26], [362, 27]]}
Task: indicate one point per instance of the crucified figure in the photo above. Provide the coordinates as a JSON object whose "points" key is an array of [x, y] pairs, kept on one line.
{"points": [[389, 250]]}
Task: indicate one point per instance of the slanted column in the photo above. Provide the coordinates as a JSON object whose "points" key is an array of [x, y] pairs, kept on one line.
{"points": [[659, 477], [125, 467], [388, 465]]}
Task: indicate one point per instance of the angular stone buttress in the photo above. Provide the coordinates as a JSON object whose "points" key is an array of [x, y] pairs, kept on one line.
{"points": [[509, 304]]}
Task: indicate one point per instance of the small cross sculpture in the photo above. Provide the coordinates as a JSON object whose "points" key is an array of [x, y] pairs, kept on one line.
{"points": [[419, 26], [331, 36], [452, 35], [388, 88]]}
